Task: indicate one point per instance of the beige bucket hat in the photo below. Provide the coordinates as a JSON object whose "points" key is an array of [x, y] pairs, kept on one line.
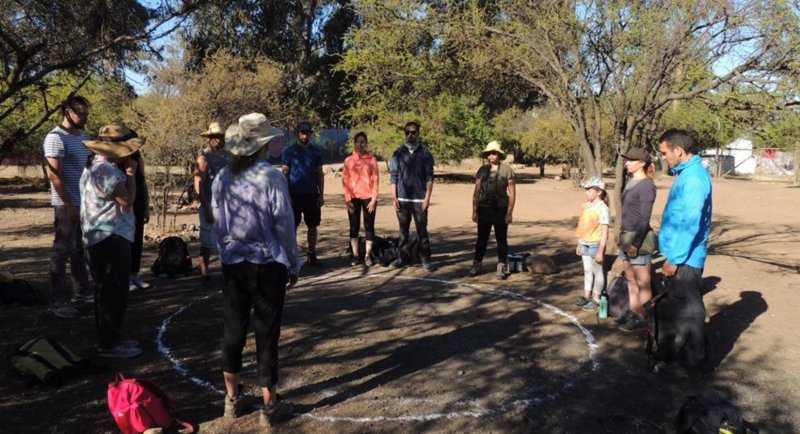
{"points": [[493, 146], [214, 129], [115, 141], [251, 133]]}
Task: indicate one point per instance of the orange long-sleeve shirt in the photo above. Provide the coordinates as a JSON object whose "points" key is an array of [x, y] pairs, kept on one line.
{"points": [[360, 177]]}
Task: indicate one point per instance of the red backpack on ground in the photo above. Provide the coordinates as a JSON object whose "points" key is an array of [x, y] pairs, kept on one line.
{"points": [[138, 405]]}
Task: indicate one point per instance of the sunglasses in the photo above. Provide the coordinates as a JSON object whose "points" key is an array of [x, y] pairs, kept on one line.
{"points": [[411, 132], [493, 153]]}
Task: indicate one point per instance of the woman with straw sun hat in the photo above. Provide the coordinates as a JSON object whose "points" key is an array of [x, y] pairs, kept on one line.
{"points": [[493, 206], [108, 191], [258, 250]]}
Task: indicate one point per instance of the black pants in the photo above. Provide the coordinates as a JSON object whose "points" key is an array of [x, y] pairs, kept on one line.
{"points": [[409, 210], [110, 264], [67, 247], [360, 206], [136, 246], [488, 217], [680, 317], [261, 287]]}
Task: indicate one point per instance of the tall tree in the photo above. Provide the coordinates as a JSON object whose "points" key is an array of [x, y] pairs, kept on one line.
{"points": [[40, 39]]}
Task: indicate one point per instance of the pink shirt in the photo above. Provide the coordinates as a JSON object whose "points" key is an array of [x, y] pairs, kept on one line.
{"points": [[360, 177]]}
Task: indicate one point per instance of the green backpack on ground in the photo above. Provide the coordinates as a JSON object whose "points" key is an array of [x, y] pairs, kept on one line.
{"points": [[47, 360]]}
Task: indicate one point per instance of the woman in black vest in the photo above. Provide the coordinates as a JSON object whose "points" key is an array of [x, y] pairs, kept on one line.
{"points": [[493, 205]]}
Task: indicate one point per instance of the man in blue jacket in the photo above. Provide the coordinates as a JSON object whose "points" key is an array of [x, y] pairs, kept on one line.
{"points": [[411, 169], [683, 240]]}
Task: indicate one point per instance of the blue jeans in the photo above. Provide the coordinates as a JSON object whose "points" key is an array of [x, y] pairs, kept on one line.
{"points": [[638, 260]]}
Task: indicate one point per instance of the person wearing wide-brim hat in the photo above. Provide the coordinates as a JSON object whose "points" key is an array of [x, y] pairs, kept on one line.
{"points": [[108, 191], [493, 206], [209, 162], [258, 249], [638, 197]]}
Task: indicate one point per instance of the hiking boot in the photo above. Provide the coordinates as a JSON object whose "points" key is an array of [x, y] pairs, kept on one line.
{"points": [[119, 351], [581, 301], [138, 283], [633, 324], [233, 405], [63, 309], [590, 305], [274, 414], [476, 269], [624, 318], [82, 299], [354, 262], [313, 261], [368, 262], [206, 282], [129, 342], [428, 265], [502, 271]]}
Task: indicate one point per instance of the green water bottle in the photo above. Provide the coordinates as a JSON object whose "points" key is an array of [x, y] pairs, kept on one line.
{"points": [[602, 311]]}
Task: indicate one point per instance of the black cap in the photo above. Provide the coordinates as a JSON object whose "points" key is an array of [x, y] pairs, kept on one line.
{"points": [[637, 154], [304, 127]]}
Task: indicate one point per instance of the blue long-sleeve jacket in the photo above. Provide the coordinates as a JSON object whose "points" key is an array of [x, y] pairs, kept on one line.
{"points": [[686, 223]]}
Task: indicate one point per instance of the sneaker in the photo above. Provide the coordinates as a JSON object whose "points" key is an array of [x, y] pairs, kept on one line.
{"points": [[428, 265], [233, 405], [398, 263], [129, 342], [354, 262], [581, 301], [502, 271], [82, 299], [476, 269], [120, 351], [312, 260], [368, 262], [624, 318], [63, 309], [137, 281], [590, 305], [276, 413], [635, 323]]}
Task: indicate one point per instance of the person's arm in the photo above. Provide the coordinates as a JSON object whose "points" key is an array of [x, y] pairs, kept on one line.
{"points": [[694, 195], [145, 191], [199, 185], [348, 193], [54, 175], [512, 200], [601, 251], [476, 193], [426, 203], [646, 197], [321, 184], [374, 183], [280, 206], [125, 192], [393, 178]]}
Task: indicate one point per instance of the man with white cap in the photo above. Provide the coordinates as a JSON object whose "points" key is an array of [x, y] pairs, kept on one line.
{"points": [[108, 191], [258, 250], [213, 158]]}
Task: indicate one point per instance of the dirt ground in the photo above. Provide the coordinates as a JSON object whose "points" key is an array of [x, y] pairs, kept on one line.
{"points": [[407, 351]]}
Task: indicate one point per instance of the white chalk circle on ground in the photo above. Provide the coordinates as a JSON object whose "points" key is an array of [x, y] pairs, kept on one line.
{"points": [[398, 399]]}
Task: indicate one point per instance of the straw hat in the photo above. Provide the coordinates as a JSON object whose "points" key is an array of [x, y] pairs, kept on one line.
{"points": [[493, 146], [115, 141], [251, 133], [214, 129]]}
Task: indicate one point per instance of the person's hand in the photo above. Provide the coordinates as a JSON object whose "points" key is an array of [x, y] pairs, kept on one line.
{"points": [[632, 252], [396, 205], [509, 218], [425, 204], [292, 280], [209, 215], [669, 270], [350, 207], [371, 206], [599, 257], [578, 250], [475, 216], [321, 201], [130, 167]]}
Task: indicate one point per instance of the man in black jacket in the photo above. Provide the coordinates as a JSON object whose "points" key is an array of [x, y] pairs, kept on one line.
{"points": [[411, 170]]}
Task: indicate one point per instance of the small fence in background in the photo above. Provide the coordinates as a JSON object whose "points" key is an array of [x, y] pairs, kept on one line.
{"points": [[776, 164]]}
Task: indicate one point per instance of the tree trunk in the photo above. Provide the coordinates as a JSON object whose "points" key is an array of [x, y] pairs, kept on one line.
{"points": [[616, 197]]}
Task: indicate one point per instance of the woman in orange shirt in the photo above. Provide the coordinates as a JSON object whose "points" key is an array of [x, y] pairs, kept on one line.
{"points": [[360, 181]]}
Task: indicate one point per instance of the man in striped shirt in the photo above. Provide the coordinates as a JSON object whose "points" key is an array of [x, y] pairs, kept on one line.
{"points": [[66, 158]]}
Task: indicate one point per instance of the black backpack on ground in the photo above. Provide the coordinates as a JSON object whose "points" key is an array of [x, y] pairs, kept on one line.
{"points": [[173, 258], [709, 414], [618, 300], [18, 292]]}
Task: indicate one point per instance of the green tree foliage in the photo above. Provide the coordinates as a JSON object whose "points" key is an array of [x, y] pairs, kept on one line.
{"points": [[180, 106], [40, 40], [305, 37]]}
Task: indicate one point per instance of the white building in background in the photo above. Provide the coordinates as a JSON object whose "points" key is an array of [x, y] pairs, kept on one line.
{"points": [[736, 158]]}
